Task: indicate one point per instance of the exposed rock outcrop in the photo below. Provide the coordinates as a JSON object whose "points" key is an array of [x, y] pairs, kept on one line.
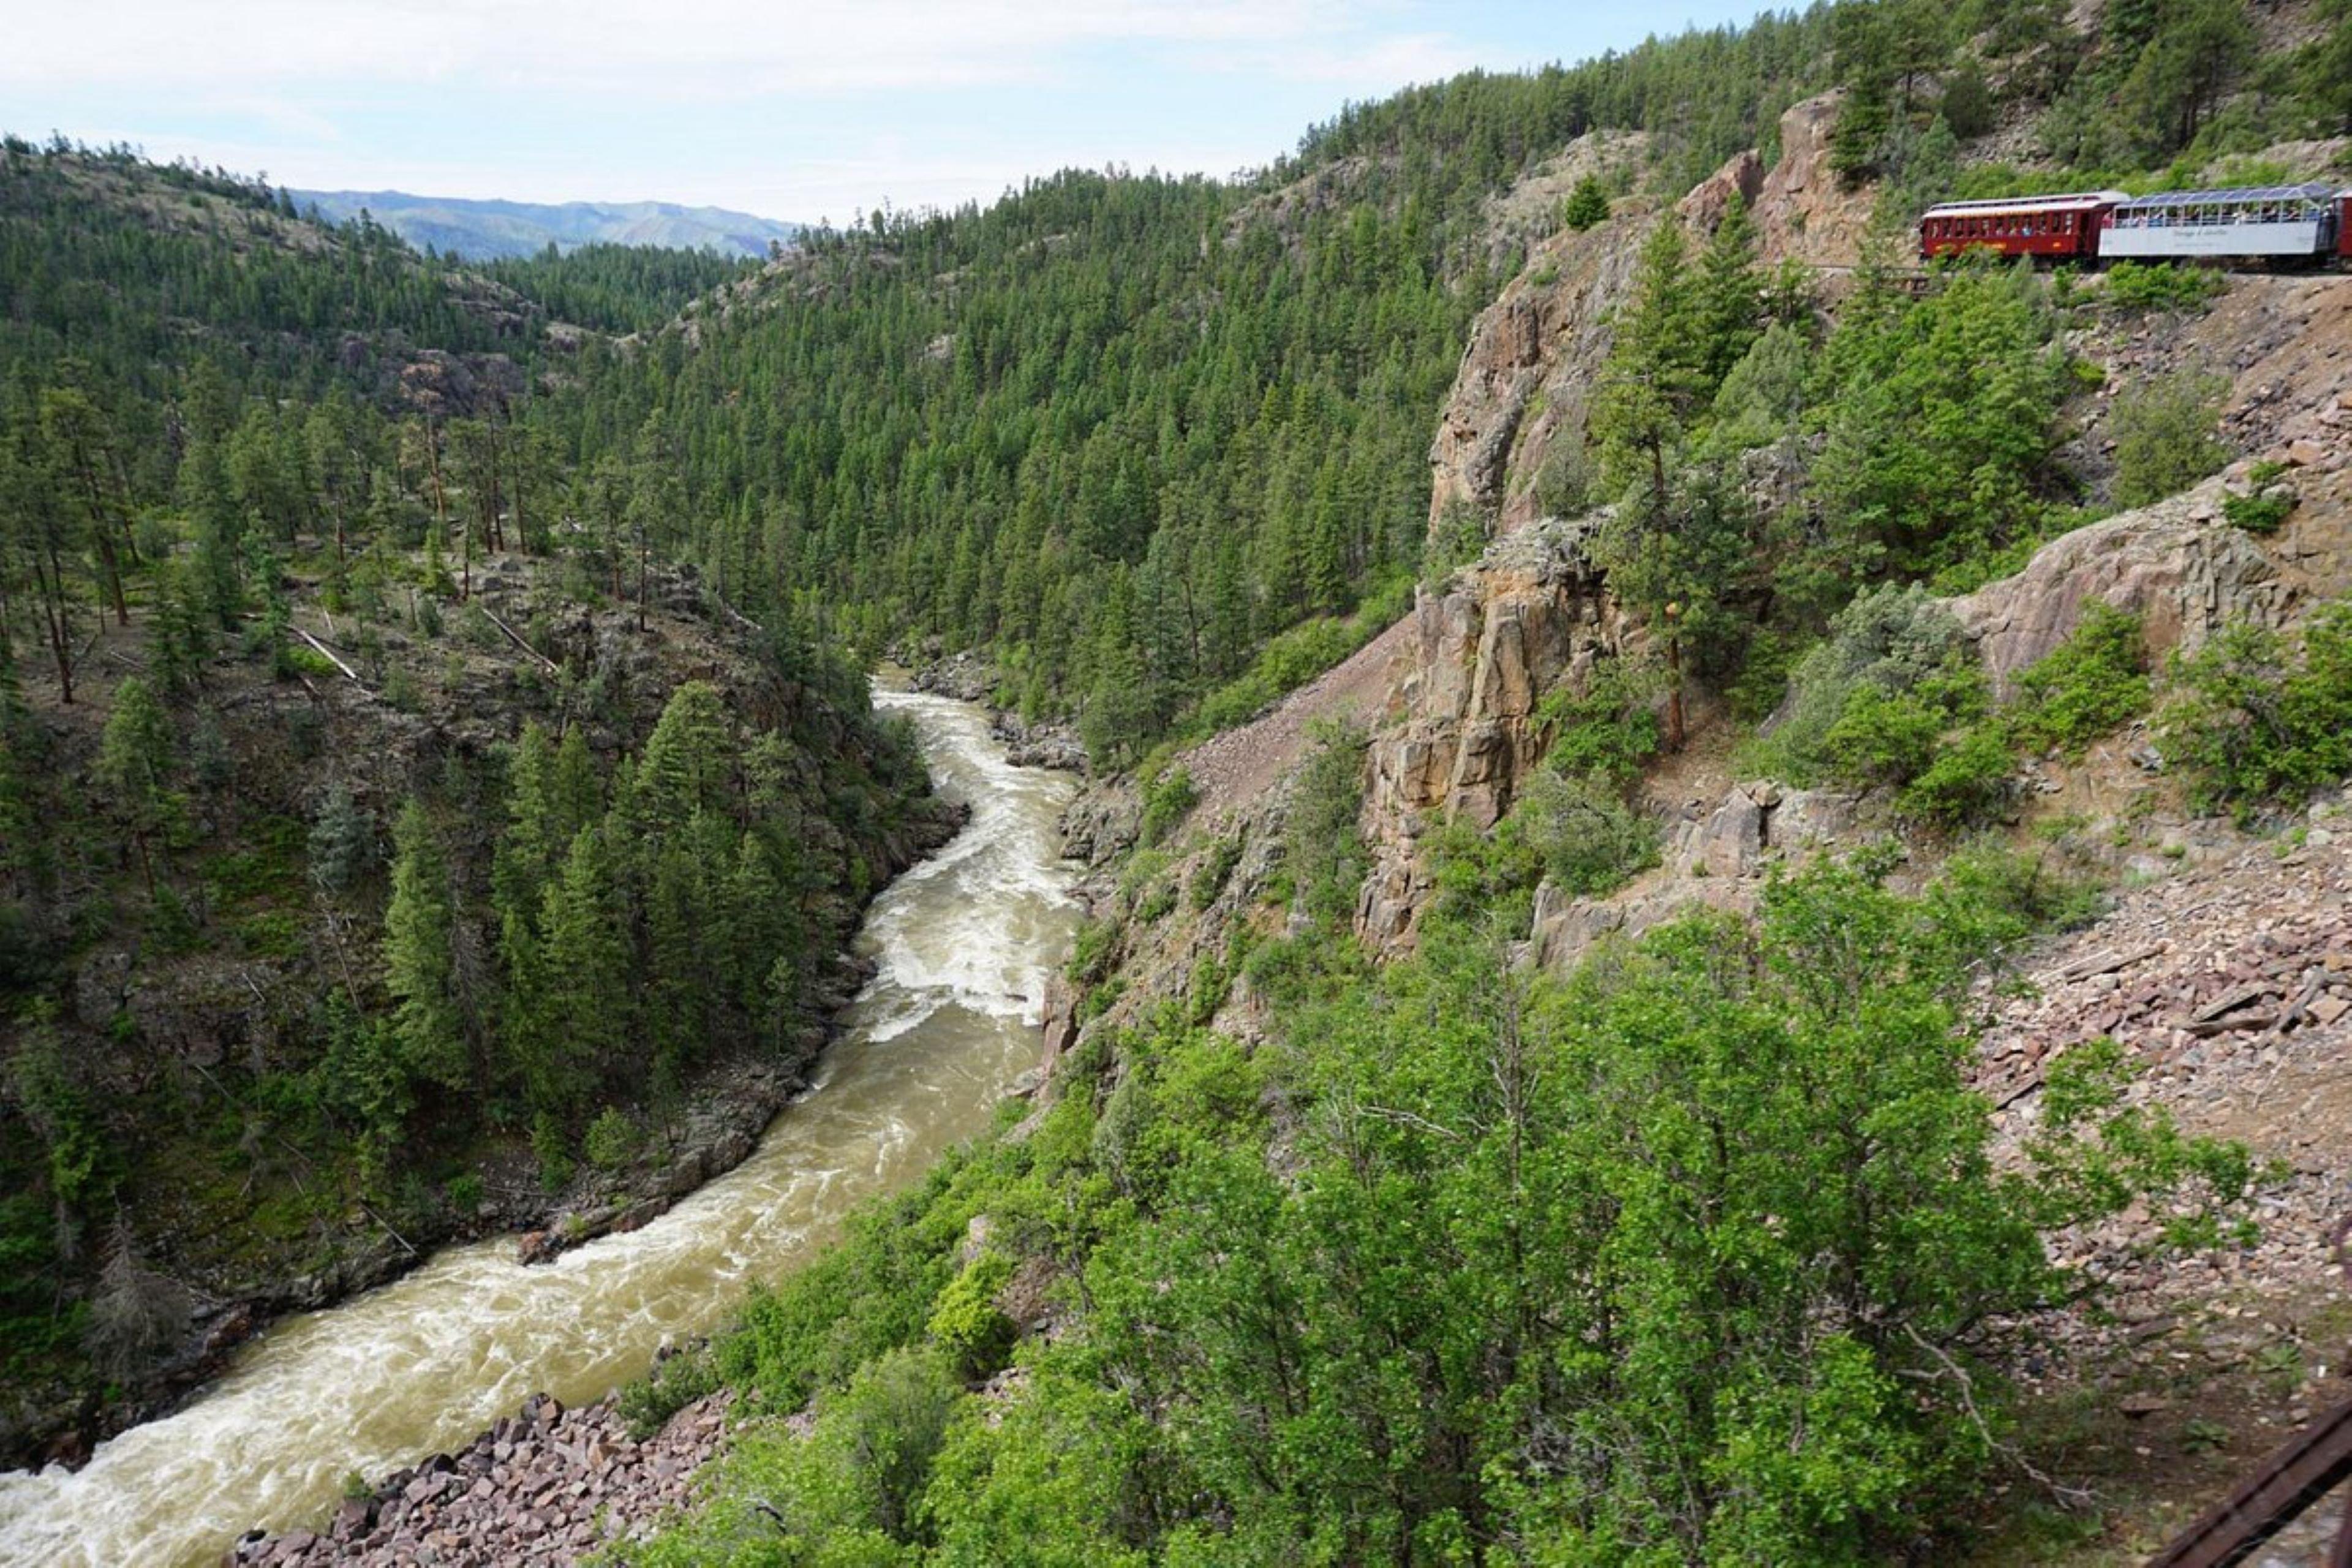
{"points": [[1715, 857], [1803, 211], [1483, 652], [2178, 564]]}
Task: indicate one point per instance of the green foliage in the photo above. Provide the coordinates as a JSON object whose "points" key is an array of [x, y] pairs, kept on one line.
{"points": [[1611, 729], [970, 1331], [2088, 686], [1323, 845], [343, 847], [2263, 513], [1870, 703], [673, 1382], [2254, 718], [1586, 206], [611, 1142], [1167, 801], [420, 963], [2140, 286], [1940, 425], [1579, 828], [1216, 869], [2165, 433]]}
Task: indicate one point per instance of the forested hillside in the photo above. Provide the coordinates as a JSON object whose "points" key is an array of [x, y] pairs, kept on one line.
{"points": [[371, 869]]}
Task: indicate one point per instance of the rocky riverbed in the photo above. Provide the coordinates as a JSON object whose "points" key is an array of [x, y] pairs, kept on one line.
{"points": [[548, 1485]]}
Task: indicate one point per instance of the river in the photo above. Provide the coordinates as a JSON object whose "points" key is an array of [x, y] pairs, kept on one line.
{"points": [[963, 940]]}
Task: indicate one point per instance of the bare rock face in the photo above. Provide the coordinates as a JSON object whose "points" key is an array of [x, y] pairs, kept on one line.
{"points": [[1526, 377], [1803, 212], [2177, 564], [1548, 333], [1741, 178], [1482, 654]]}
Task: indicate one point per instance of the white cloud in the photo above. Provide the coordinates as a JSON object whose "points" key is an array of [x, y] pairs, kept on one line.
{"points": [[684, 48]]}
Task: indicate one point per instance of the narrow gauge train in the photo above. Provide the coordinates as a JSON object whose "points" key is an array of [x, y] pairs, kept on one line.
{"points": [[2309, 225]]}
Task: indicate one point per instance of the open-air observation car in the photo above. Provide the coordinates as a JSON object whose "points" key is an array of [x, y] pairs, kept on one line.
{"points": [[2282, 221]]}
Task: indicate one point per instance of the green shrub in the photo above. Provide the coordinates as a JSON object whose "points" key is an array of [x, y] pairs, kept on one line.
{"points": [[1216, 869], [612, 1140], [2088, 686], [1586, 206], [2259, 513], [463, 1193], [1167, 801], [2155, 286], [550, 1148], [2253, 719], [1323, 845], [2165, 436], [1587, 840], [670, 1386], [1156, 904], [967, 1324], [1966, 781], [1612, 728], [1869, 702]]}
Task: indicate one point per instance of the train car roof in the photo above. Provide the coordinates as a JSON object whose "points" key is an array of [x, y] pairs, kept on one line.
{"points": [[2075, 201], [2311, 191]]}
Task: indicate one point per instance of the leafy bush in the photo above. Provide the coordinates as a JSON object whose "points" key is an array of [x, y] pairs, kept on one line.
{"points": [[1966, 781], [1867, 704], [2165, 439], [2157, 285], [2007, 894], [1166, 802], [612, 1140], [1588, 840], [549, 1147], [2253, 719], [1215, 870], [2086, 687], [1323, 845], [673, 1384], [1612, 727], [2259, 513], [966, 1323]]}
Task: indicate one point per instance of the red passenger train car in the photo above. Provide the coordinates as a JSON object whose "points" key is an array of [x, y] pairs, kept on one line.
{"points": [[2060, 228]]}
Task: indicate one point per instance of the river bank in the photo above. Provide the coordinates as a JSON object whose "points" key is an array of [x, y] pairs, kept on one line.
{"points": [[545, 1484], [961, 946]]}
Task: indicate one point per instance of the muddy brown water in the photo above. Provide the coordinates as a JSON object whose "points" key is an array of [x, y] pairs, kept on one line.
{"points": [[963, 942]]}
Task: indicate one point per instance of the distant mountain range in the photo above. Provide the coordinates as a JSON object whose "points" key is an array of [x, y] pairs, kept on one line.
{"points": [[483, 230]]}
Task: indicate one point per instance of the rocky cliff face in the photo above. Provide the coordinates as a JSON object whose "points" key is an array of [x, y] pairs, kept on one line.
{"points": [[1481, 655], [1520, 397], [1803, 212]]}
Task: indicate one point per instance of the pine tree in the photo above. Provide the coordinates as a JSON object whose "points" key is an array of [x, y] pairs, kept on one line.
{"points": [[136, 760], [1587, 205], [419, 956], [684, 766], [342, 841], [584, 965]]}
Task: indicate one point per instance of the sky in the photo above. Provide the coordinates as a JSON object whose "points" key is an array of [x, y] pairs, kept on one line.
{"points": [[798, 109]]}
